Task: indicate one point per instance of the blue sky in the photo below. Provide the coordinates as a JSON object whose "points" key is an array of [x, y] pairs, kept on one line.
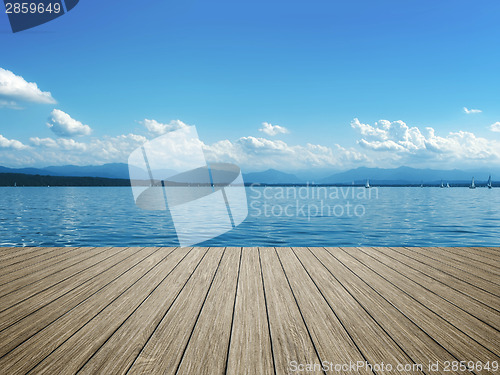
{"points": [[228, 67]]}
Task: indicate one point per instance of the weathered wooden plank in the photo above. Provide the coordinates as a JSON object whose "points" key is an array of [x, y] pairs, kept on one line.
{"points": [[471, 261], [8, 252], [373, 341], [118, 353], [28, 318], [36, 353], [460, 270], [438, 275], [31, 267], [456, 342], [292, 344], [245, 311], [336, 347], [472, 252], [172, 333], [250, 348], [206, 352], [410, 337], [482, 333], [475, 280], [26, 253], [462, 300], [40, 274], [73, 271], [490, 252]]}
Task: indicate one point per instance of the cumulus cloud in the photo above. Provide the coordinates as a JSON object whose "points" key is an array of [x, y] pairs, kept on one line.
{"points": [[409, 144], [495, 127], [471, 111], [16, 87], [273, 130], [157, 128], [64, 125], [11, 143], [60, 143], [95, 151], [254, 153]]}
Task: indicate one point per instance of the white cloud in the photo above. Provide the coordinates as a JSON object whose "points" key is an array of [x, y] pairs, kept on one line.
{"points": [[60, 143], [156, 128], [64, 125], [17, 88], [410, 144], [9, 104], [382, 144], [273, 130], [495, 127], [471, 111], [11, 143], [68, 151], [261, 153]]}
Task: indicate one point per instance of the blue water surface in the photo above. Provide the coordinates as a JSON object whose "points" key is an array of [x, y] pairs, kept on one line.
{"points": [[278, 216]]}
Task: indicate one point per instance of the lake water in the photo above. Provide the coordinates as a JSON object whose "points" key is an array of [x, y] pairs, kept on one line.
{"points": [[277, 216]]}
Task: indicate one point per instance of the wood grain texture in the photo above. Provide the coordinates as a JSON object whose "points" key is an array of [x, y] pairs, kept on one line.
{"points": [[173, 332], [30, 266], [76, 269], [289, 334], [460, 269], [438, 275], [337, 346], [446, 334], [39, 346], [27, 253], [462, 300], [444, 308], [117, 354], [35, 314], [411, 338], [245, 310], [370, 337], [212, 331], [250, 348]]}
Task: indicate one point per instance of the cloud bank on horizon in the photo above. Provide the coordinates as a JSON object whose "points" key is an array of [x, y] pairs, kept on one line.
{"points": [[384, 143]]}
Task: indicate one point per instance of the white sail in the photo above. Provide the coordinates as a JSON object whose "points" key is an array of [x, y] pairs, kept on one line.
{"points": [[489, 183], [472, 185], [367, 184]]}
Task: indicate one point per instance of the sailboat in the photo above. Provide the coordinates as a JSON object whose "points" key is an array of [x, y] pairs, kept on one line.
{"points": [[15, 184], [472, 185], [442, 185], [367, 185], [447, 184], [489, 183]]}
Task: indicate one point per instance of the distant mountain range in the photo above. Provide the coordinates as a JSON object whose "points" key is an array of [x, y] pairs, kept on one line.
{"points": [[112, 170], [406, 175], [271, 176], [358, 176], [377, 176]]}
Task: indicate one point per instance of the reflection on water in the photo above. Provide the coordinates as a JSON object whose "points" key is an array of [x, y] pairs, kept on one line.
{"points": [[70, 216]]}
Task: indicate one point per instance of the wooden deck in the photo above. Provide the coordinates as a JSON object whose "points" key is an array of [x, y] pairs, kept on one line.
{"points": [[248, 310]]}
